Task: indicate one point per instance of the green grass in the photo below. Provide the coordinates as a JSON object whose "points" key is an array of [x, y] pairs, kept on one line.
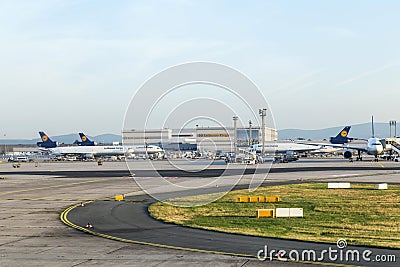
{"points": [[362, 215]]}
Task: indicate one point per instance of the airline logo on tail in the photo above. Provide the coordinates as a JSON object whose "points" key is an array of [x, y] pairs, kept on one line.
{"points": [[46, 141], [85, 140], [341, 137]]}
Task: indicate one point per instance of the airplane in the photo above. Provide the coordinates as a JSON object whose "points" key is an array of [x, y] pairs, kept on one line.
{"points": [[95, 151], [341, 137], [289, 148], [98, 151], [374, 146], [88, 151], [85, 141], [46, 141]]}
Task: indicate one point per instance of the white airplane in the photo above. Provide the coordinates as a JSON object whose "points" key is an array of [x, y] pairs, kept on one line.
{"points": [[288, 148], [374, 146], [94, 151]]}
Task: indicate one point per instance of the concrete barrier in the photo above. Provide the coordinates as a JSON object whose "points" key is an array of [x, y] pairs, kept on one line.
{"points": [[338, 185], [382, 186], [274, 199], [243, 199], [288, 212], [253, 199], [258, 199], [265, 213]]}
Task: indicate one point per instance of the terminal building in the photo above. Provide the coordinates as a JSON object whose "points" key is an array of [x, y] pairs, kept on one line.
{"points": [[223, 139], [210, 139]]}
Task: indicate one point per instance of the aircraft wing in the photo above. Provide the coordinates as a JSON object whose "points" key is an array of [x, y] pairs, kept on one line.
{"points": [[354, 138], [360, 148]]}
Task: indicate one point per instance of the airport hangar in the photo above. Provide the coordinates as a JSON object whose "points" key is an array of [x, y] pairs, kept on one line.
{"points": [[210, 139]]}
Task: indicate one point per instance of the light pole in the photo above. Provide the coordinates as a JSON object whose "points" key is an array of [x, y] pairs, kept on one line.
{"points": [[393, 124], [235, 118], [5, 149], [250, 134], [262, 113]]}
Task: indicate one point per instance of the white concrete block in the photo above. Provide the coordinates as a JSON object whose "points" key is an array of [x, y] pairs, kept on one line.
{"points": [[282, 212], [288, 212], [296, 212], [383, 186], [338, 185]]}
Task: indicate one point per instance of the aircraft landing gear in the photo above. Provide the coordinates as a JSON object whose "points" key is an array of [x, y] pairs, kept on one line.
{"points": [[359, 156]]}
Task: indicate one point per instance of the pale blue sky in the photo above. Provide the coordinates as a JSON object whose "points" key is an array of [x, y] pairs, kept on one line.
{"points": [[68, 66]]}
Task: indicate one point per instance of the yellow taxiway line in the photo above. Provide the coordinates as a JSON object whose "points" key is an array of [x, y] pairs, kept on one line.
{"points": [[64, 219]]}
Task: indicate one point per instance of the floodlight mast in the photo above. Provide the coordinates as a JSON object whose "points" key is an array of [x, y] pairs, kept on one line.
{"points": [[263, 114], [235, 118]]}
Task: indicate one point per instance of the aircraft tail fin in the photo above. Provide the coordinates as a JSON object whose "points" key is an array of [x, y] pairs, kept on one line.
{"points": [[85, 140], [46, 141], [342, 136]]}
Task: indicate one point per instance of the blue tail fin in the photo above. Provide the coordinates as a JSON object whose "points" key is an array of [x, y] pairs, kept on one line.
{"points": [[342, 136], [46, 141], [85, 140]]}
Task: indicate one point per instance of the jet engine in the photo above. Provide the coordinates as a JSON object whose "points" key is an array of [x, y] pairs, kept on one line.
{"points": [[348, 154]]}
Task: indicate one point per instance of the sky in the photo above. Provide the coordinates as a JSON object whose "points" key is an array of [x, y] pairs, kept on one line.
{"points": [[69, 66]]}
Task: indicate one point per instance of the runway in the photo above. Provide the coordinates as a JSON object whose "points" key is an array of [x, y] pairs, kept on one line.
{"points": [[129, 221], [215, 172], [32, 197]]}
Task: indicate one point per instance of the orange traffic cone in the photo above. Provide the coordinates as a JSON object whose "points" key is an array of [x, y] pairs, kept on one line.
{"points": [[89, 226]]}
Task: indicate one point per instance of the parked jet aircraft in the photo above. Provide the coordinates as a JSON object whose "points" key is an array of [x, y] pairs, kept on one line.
{"points": [[374, 146], [290, 148], [96, 151]]}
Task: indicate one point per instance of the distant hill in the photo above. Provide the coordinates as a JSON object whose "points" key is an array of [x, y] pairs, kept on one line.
{"points": [[67, 139], [358, 130]]}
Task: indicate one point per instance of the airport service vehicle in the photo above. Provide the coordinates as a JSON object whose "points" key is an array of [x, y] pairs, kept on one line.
{"points": [[19, 159], [374, 146]]}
